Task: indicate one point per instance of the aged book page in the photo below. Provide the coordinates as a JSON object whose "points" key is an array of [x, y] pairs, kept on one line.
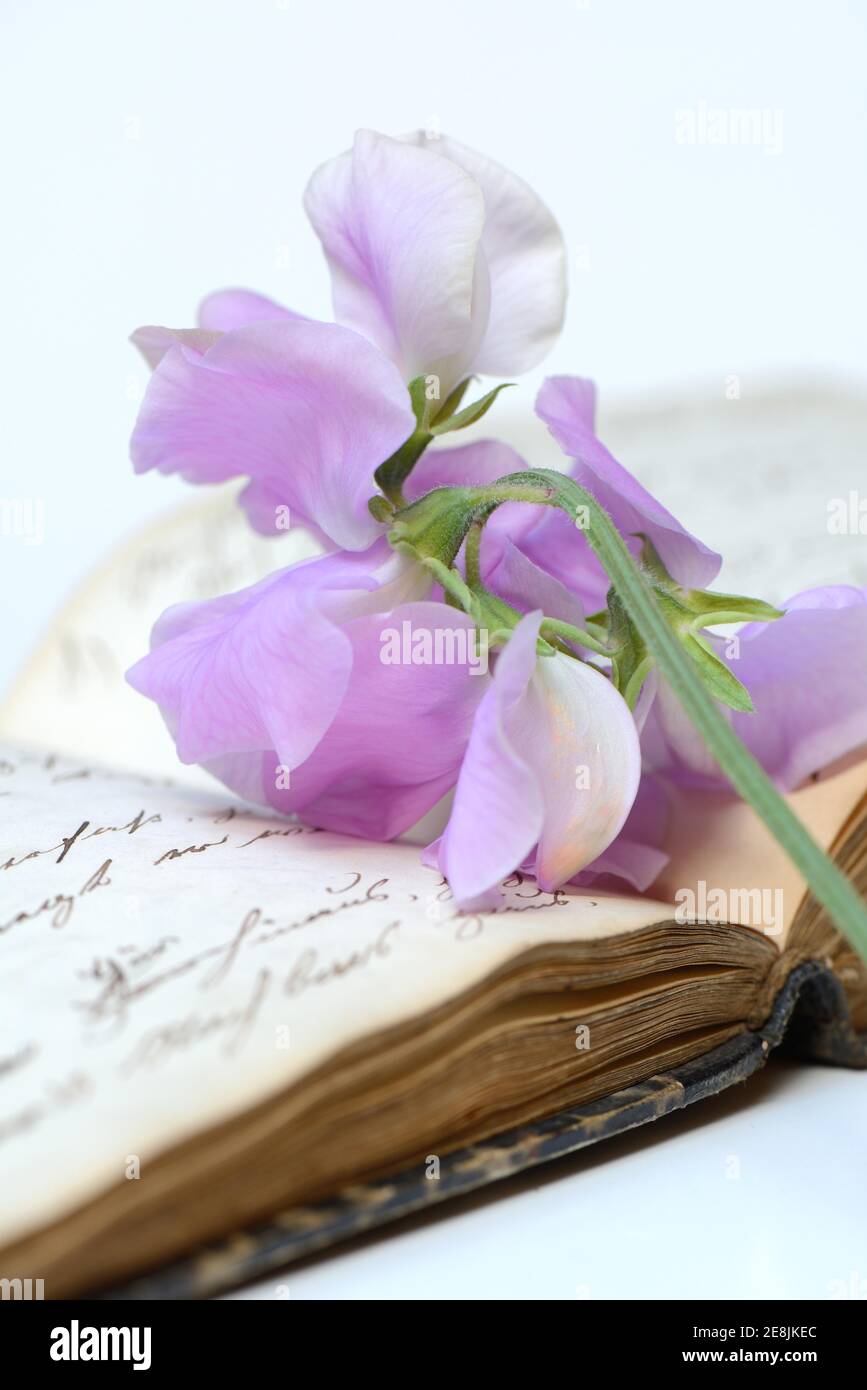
{"points": [[720, 846], [169, 959]]}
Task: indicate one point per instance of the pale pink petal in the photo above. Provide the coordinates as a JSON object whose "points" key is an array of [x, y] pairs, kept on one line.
{"points": [[526, 259], [577, 732], [225, 310], [807, 676], [153, 341], [637, 856], [567, 406], [401, 229], [283, 693], [395, 745], [499, 807], [526, 587], [265, 668], [553, 761], [309, 409]]}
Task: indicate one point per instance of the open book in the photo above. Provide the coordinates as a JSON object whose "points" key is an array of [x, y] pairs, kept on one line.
{"points": [[229, 1039]]}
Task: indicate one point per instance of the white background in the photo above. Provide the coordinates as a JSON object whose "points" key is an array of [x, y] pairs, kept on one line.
{"points": [[158, 149]]}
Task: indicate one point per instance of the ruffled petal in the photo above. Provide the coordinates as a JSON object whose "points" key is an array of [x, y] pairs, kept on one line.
{"points": [[553, 762], [578, 734], [499, 808], [265, 668], [526, 259], [807, 676], [526, 586], [636, 857], [567, 406], [395, 746], [401, 229], [225, 310], [309, 409], [154, 341], [267, 508]]}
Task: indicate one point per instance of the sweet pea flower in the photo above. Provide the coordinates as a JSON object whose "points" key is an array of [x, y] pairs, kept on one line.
{"points": [[445, 263], [307, 411], [443, 258], [551, 771], [807, 676], [636, 856], [281, 691]]}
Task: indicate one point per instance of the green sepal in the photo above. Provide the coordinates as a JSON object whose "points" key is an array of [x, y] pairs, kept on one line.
{"points": [[687, 611], [380, 508], [716, 675], [631, 662], [451, 402], [699, 607], [434, 527], [431, 419], [470, 413], [455, 587], [708, 609]]}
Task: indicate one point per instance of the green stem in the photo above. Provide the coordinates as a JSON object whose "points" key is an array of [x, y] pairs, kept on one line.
{"points": [[472, 547], [580, 636], [454, 585], [392, 474], [828, 883]]}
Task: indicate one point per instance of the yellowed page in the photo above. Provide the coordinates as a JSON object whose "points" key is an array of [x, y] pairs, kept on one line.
{"points": [[169, 959], [723, 855]]}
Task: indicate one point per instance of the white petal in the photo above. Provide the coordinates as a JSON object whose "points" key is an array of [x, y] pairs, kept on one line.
{"points": [[577, 733], [401, 228], [526, 259]]}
